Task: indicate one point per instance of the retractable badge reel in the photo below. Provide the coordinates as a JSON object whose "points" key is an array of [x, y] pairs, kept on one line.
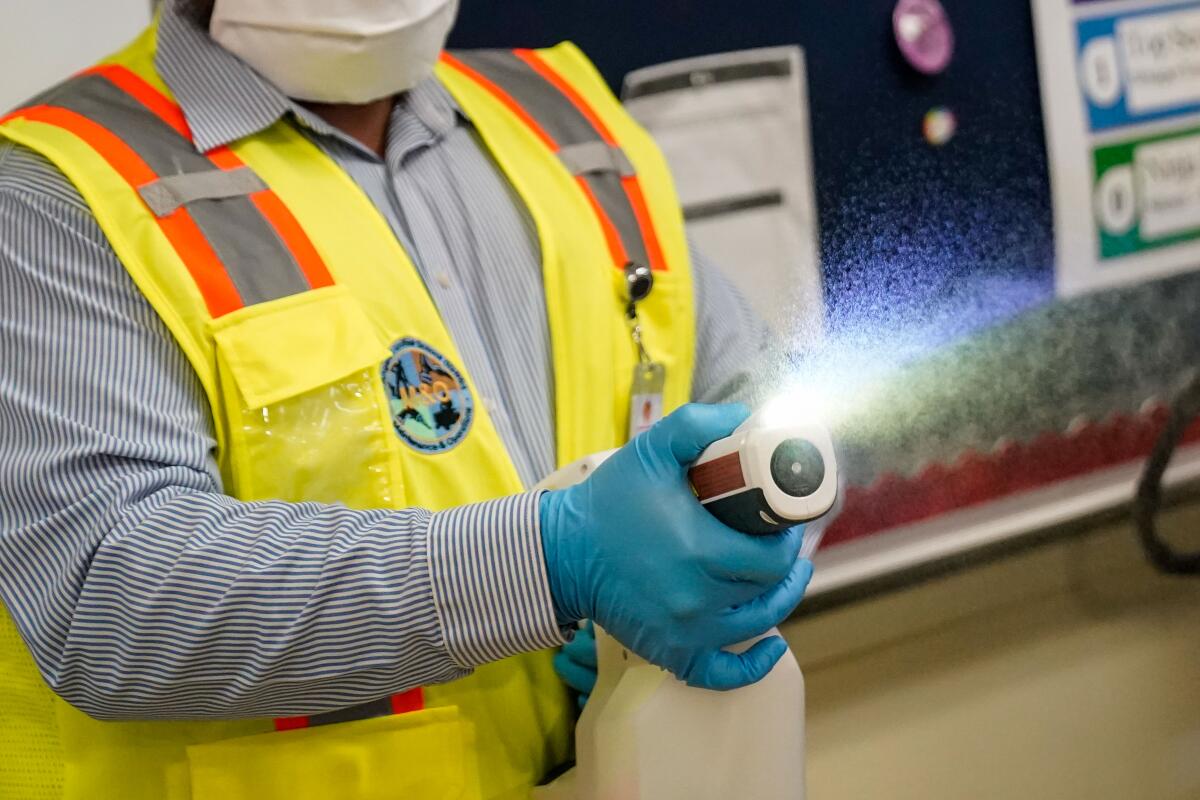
{"points": [[649, 376]]}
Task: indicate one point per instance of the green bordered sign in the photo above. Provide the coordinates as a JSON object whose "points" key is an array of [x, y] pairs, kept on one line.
{"points": [[1147, 193]]}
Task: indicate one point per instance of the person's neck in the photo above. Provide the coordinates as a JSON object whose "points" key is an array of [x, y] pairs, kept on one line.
{"points": [[367, 123]]}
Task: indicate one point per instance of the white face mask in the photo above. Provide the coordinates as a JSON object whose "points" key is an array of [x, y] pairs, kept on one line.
{"points": [[336, 51]]}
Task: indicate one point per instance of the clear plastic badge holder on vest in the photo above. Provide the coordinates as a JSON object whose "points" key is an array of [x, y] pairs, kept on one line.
{"points": [[645, 735]]}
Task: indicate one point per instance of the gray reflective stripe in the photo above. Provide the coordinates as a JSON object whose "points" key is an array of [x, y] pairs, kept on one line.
{"points": [[375, 708], [567, 125], [610, 194], [597, 156], [546, 104], [259, 264], [167, 195]]}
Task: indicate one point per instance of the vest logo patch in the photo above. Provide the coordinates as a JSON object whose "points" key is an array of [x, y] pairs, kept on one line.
{"points": [[432, 408]]}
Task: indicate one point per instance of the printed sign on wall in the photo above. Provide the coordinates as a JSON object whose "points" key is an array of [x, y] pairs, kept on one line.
{"points": [[1121, 90]]}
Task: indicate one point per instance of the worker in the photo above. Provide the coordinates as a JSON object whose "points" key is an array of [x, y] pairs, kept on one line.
{"points": [[295, 309]]}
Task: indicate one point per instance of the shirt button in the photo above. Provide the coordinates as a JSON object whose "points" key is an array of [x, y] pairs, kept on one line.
{"points": [[443, 280]]}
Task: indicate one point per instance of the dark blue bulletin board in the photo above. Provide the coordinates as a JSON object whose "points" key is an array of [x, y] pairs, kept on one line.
{"points": [[943, 238], [944, 253]]}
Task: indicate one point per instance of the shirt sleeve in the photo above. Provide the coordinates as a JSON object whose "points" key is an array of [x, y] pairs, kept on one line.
{"points": [[139, 587], [735, 349]]}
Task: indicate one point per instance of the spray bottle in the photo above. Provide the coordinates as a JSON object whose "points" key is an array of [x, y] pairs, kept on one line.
{"points": [[644, 735]]}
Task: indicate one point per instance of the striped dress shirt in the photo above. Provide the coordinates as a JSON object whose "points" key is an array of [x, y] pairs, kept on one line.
{"points": [[141, 589]]}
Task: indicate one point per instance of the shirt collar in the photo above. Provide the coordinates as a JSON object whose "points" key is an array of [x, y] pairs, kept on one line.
{"points": [[224, 99]]}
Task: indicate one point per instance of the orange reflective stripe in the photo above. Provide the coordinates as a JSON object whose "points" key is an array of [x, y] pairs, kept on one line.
{"points": [[631, 184], [400, 703], [294, 237], [154, 100], [119, 155], [504, 97], [225, 158], [205, 267], [290, 723], [412, 700], [284, 222], [267, 202], [633, 190], [611, 236], [539, 66]]}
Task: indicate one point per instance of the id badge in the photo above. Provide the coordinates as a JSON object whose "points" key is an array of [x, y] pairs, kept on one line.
{"points": [[646, 404]]}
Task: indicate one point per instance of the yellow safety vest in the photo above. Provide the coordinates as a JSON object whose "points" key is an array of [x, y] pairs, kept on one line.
{"points": [[332, 378]]}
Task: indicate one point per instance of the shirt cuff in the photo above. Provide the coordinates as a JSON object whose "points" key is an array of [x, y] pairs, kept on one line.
{"points": [[490, 586]]}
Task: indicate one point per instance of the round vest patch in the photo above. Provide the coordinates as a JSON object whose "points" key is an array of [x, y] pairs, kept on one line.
{"points": [[431, 406]]}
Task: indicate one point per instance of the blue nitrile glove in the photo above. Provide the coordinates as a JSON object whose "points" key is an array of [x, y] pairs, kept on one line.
{"points": [[632, 548], [575, 662]]}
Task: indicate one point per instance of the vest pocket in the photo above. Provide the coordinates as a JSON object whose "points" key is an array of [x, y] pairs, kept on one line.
{"points": [[306, 414], [427, 754]]}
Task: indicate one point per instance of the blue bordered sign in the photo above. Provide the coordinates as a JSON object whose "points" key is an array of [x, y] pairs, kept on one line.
{"points": [[432, 408]]}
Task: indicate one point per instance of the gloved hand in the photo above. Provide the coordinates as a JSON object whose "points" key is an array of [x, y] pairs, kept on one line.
{"points": [[633, 549], [575, 662]]}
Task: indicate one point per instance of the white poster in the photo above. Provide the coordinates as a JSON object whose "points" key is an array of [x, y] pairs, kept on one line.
{"points": [[735, 129], [1121, 97]]}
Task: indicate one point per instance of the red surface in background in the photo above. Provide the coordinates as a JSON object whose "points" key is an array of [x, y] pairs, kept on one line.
{"points": [[1011, 468]]}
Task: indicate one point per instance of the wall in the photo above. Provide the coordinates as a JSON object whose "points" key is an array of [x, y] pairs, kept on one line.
{"points": [[1071, 671], [43, 41]]}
